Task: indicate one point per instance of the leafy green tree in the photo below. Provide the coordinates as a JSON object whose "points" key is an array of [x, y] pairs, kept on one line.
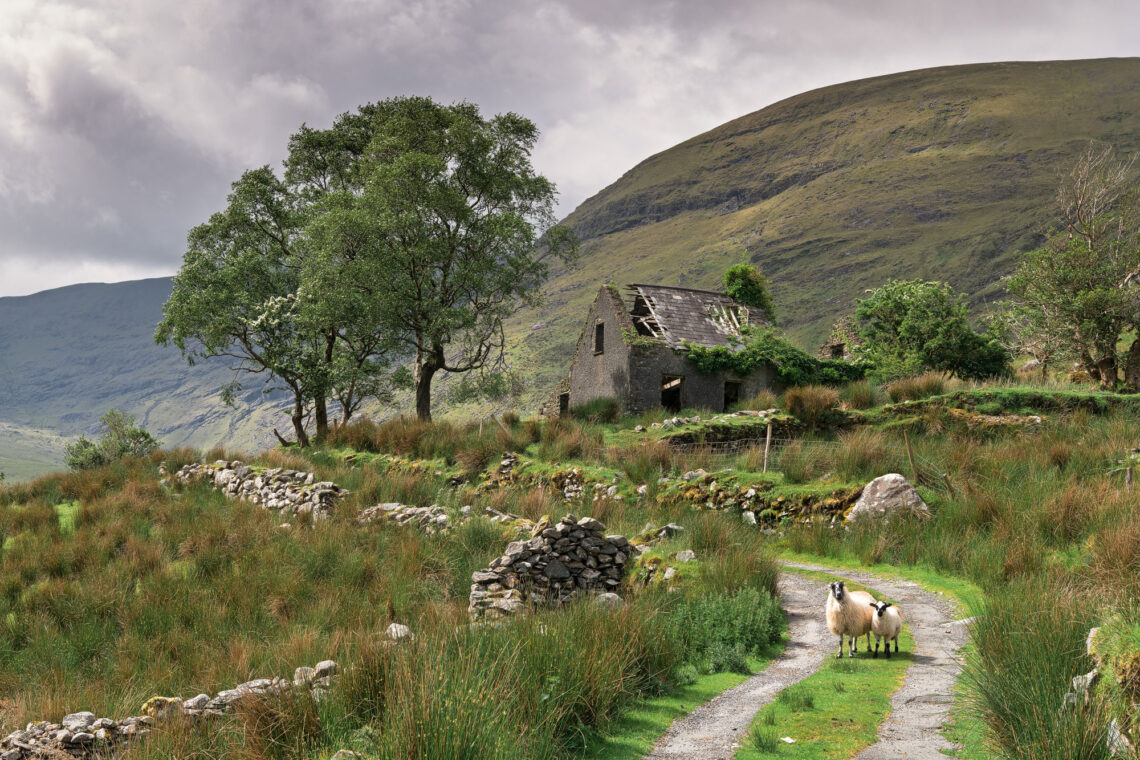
{"points": [[254, 287], [119, 438], [745, 284], [908, 326], [456, 229], [1081, 288]]}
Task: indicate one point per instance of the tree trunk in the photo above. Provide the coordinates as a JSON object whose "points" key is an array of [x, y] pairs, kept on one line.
{"points": [[321, 416], [320, 400], [1106, 366], [423, 391], [299, 421], [1132, 366]]}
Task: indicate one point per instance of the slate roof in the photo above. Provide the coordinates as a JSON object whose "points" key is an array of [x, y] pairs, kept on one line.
{"points": [[680, 315]]}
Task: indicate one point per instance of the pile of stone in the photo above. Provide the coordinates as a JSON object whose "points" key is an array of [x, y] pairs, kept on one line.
{"points": [[291, 491], [83, 735], [558, 562]]}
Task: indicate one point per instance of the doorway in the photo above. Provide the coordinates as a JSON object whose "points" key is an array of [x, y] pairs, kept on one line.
{"points": [[731, 393], [563, 404], [671, 392]]}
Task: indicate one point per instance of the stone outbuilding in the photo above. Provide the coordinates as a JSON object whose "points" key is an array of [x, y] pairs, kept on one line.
{"points": [[634, 349]]}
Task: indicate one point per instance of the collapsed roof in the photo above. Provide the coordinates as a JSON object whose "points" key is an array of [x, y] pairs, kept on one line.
{"points": [[684, 315]]}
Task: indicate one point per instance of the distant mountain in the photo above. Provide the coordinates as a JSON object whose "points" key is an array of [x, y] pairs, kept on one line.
{"points": [[943, 173], [70, 354]]}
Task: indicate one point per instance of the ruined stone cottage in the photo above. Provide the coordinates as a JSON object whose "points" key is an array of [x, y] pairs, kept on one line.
{"points": [[633, 349]]}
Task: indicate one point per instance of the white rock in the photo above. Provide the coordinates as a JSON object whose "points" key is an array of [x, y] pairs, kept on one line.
{"points": [[887, 496], [397, 631]]}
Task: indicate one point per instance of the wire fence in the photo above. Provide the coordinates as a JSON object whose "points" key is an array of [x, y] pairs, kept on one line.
{"points": [[919, 468]]}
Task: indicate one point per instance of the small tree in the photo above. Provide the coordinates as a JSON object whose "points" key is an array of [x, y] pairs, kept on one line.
{"points": [[1081, 288], [119, 438], [745, 284], [909, 326]]}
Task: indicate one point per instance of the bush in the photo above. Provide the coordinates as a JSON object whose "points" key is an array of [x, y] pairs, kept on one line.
{"points": [[119, 438], [720, 631], [810, 403], [919, 387]]}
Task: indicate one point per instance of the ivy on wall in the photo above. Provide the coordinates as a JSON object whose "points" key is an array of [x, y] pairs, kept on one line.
{"points": [[764, 348]]}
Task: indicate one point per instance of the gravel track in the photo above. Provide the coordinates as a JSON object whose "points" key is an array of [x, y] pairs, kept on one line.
{"points": [[714, 730]]}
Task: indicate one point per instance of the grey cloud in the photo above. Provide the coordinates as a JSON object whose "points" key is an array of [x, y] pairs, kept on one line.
{"points": [[122, 122]]}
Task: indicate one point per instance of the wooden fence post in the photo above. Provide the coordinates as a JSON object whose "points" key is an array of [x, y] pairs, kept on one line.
{"points": [[1128, 478], [767, 446], [910, 456]]}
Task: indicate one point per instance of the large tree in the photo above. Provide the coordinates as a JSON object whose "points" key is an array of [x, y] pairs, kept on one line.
{"points": [[255, 287], [1082, 286], [459, 232], [908, 326]]}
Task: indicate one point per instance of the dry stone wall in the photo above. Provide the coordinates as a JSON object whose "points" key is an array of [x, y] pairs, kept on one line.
{"points": [[290, 491], [558, 562], [83, 735]]}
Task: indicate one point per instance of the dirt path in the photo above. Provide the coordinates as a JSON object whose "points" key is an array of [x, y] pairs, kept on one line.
{"points": [[922, 705], [714, 730]]}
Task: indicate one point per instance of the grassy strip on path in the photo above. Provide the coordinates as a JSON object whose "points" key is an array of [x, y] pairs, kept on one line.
{"points": [[633, 735], [965, 728], [837, 711]]}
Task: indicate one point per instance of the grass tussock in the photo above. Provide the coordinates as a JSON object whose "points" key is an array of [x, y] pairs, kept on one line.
{"points": [[811, 403], [918, 387]]}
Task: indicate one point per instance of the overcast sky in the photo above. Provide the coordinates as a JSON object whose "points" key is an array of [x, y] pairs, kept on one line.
{"points": [[123, 122]]}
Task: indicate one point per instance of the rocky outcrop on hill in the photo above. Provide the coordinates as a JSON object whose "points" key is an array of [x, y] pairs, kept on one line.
{"points": [[558, 562], [83, 735], [291, 491]]}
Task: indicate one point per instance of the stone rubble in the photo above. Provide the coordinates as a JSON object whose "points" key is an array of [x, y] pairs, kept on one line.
{"points": [[290, 491], [83, 735], [435, 519], [558, 562]]}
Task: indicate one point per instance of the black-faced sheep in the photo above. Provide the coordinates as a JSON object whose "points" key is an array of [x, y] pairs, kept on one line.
{"points": [[886, 624], [849, 613]]}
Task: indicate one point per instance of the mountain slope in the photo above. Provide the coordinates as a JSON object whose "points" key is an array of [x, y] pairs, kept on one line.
{"points": [[70, 354], [943, 173]]}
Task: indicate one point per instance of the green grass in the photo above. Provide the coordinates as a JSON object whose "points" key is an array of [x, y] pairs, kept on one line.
{"points": [[634, 734], [834, 713]]}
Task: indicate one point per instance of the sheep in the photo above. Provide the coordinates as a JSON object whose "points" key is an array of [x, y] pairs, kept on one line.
{"points": [[849, 613], [886, 624]]}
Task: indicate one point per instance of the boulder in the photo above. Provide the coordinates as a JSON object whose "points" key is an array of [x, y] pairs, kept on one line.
{"points": [[887, 496]]}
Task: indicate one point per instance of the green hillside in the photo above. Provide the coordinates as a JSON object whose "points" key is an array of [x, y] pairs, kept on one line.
{"points": [[70, 354], [943, 173]]}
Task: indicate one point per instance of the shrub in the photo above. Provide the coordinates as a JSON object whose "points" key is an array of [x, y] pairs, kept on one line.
{"points": [[119, 438], [810, 403], [719, 631], [918, 387]]}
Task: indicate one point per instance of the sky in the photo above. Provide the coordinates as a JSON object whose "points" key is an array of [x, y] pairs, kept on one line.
{"points": [[123, 122]]}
